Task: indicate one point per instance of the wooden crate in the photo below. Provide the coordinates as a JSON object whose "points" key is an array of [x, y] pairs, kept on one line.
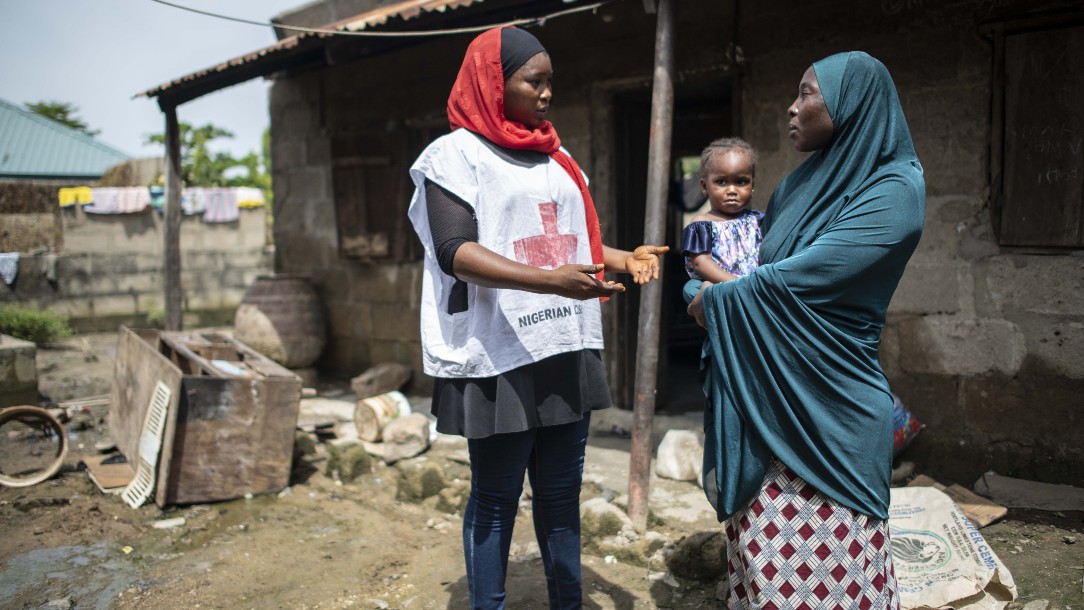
{"points": [[228, 432]]}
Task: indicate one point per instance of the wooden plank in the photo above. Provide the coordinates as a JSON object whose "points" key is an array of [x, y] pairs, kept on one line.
{"points": [[977, 508], [109, 477], [1021, 493], [981, 511], [235, 436], [139, 367], [925, 481]]}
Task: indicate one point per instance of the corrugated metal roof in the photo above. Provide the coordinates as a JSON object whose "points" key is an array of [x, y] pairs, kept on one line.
{"points": [[32, 146], [404, 10], [273, 55]]}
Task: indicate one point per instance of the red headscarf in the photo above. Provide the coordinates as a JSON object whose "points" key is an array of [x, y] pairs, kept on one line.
{"points": [[477, 104]]}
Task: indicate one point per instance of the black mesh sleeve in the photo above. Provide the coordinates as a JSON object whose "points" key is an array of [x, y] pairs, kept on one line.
{"points": [[451, 223]]}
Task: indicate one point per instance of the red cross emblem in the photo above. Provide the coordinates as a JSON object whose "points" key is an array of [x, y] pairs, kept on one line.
{"points": [[549, 250]]}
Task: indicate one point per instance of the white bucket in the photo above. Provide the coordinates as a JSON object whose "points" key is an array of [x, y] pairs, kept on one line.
{"points": [[373, 413]]}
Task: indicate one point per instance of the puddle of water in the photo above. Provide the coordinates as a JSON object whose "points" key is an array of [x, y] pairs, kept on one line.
{"points": [[92, 576]]}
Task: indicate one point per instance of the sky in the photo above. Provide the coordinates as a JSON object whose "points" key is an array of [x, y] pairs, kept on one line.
{"points": [[97, 54]]}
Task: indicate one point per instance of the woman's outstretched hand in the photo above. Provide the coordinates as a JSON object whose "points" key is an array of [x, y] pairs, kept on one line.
{"points": [[643, 263], [579, 282], [696, 306]]}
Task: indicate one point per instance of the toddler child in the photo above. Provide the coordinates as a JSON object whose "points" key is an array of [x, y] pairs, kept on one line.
{"points": [[724, 242]]}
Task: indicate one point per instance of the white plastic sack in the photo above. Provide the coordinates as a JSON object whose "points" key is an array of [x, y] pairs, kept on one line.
{"points": [[941, 559]]}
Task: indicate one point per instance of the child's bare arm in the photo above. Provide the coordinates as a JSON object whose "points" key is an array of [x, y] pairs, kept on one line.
{"points": [[708, 269]]}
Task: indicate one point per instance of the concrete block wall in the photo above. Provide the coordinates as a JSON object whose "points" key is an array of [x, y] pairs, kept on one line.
{"points": [[18, 373], [984, 344], [110, 271]]}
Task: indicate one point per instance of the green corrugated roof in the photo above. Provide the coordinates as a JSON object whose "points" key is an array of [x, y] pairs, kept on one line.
{"points": [[32, 146]]}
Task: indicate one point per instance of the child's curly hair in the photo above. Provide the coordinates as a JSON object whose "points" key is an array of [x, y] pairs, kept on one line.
{"points": [[722, 145]]}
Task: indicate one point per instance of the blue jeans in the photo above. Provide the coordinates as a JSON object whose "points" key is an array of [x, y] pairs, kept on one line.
{"points": [[553, 459]]}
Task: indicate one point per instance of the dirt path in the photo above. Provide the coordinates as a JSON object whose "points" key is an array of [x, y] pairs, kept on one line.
{"points": [[323, 544]]}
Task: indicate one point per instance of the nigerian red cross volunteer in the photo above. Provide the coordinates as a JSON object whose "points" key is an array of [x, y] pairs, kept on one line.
{"points": [[510, 316]]}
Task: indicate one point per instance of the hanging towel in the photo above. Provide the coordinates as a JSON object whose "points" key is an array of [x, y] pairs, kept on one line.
{"points": [[134, 199], [72, 195], [249, 197], [221, 205], [106, 201], [119, 200], [9, 267], [66, 197], [193, 200], [158, 196]]}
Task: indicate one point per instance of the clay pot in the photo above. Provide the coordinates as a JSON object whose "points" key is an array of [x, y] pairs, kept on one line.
{"points": [[282, 317]]}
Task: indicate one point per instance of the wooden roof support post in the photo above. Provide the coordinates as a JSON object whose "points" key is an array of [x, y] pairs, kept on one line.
{"points": [[172, 254], [658, 179]]}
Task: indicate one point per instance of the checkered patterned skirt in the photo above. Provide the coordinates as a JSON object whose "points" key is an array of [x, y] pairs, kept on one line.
{"points": [[793, 548]]}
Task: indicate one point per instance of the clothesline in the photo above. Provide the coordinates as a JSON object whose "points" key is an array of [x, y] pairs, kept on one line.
{"points": [[216, 204]]}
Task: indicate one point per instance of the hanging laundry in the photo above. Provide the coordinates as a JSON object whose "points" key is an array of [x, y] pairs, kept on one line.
{"points": [[72, 195], [193, 200], [249, 197], [221, 205], [9, 267], [119, 200], [158, 196]]}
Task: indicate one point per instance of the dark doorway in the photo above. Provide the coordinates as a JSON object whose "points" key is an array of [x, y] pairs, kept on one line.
{"points": [[702, 113]]}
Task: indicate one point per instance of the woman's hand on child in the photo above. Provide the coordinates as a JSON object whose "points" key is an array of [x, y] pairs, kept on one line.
{"points": [[643, 263], [696, 306], [579, 282]]}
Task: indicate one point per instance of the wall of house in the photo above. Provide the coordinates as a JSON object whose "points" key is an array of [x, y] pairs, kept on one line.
{"points": [[109, 270], [983, 343]]}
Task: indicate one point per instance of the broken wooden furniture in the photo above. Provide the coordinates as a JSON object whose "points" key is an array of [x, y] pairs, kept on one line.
{"points": [[229, 429]]}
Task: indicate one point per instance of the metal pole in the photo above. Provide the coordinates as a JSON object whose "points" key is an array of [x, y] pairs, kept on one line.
{"points": [[647, 341], [172, 238]]}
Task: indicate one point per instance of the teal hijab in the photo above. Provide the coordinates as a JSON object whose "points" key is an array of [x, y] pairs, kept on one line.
{"points": [[791, 353]]}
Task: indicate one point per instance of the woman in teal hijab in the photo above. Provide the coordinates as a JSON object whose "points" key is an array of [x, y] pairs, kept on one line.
{"points": [[798, 423]]}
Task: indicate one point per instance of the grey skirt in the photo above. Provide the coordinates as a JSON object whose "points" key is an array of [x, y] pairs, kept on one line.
{"points": [[557, 390]]}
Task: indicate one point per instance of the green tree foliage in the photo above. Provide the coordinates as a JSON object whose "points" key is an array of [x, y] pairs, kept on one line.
{"points": [[201, 166], [62, 112]]}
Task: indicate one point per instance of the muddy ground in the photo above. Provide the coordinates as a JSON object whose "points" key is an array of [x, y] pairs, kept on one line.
{"points": [[325, 544]]}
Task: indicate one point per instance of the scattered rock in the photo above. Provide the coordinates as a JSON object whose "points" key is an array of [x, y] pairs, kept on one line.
{"points": [[406, 437], [382, 378], [680, 455], [722, 590], [168, 523], [1069, 539], [348, 461], [701, 556], [304, 443], [419, 479], [654, 542], [525, 552], [453, 498], [59, 604], [599, 518]]}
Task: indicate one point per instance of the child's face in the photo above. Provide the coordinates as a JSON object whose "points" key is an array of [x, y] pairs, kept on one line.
{"points": [[729, 182]]}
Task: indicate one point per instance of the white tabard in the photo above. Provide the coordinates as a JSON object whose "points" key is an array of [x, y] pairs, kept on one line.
{"points": [[528, 210]]}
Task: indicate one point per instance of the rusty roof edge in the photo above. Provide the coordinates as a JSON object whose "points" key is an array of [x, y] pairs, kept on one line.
{"points": [[408, 9], [403, 10]]}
